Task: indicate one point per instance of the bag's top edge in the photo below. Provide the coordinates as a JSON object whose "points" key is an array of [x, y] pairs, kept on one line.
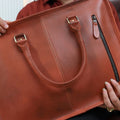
{"points": [[45, 12]]}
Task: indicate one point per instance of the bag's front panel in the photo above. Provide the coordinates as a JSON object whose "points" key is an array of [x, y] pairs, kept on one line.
{"points": [[98, 67], [57, 54]]}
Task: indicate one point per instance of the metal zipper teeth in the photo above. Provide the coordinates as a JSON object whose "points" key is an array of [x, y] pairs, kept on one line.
{"points": [[107, 50]]}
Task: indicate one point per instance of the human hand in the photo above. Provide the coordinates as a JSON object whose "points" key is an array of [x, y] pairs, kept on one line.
{"points": [[3, 26], [111, 95]]}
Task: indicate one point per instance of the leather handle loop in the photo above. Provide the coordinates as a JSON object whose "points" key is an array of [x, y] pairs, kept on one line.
{"points": [[76, 28], [24, 45]]}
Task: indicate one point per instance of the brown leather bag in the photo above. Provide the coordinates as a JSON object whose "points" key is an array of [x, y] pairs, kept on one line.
{"points": [[56, 66]]}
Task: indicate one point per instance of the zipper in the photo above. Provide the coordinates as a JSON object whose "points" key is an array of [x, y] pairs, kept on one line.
{"points": [[94, 19], [95, 28]]}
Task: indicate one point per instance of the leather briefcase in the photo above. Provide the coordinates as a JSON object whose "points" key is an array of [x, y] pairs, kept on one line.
{"points": [[54, 64]]}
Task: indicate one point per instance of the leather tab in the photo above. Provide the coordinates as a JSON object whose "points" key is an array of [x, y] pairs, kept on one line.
{"points": [[95, 29], [96, 32], [74, 23]]}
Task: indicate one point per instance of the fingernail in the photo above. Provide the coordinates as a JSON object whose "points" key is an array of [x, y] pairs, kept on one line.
{"points": [[104, 89], [112, 80], [6, 26], [106, 83]]}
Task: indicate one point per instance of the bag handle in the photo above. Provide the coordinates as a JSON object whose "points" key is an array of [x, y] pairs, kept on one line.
{"points": [[74, 25]]}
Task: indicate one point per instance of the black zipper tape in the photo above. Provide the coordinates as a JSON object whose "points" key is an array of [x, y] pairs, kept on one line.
{"points": [[107, 50]]}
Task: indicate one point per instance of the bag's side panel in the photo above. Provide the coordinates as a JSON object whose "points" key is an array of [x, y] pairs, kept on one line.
{"points": [[111, 32]]}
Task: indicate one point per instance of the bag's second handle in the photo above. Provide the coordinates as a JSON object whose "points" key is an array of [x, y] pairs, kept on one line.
{"points": [[74, 25]]}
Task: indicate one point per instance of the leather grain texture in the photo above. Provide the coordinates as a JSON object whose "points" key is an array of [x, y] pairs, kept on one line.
{"points": [[59, 72]]}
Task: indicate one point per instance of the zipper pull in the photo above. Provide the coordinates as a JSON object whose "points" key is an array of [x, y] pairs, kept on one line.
{"points": [[96, 33]]}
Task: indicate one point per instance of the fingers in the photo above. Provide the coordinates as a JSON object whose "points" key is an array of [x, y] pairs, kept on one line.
{"points": [[110, 97], [116, 85], [3, 26], [2, 30], [106, 99]]}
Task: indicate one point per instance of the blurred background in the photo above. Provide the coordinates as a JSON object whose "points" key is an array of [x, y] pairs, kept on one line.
{"points": [[10, 8]]}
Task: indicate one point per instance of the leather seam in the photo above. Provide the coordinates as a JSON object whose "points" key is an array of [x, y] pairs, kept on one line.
{"points": [[56, 58], [52, 51]]}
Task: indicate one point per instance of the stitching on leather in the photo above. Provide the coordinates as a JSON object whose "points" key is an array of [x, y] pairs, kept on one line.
{"points": [[53, 51], [52, 48]]}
